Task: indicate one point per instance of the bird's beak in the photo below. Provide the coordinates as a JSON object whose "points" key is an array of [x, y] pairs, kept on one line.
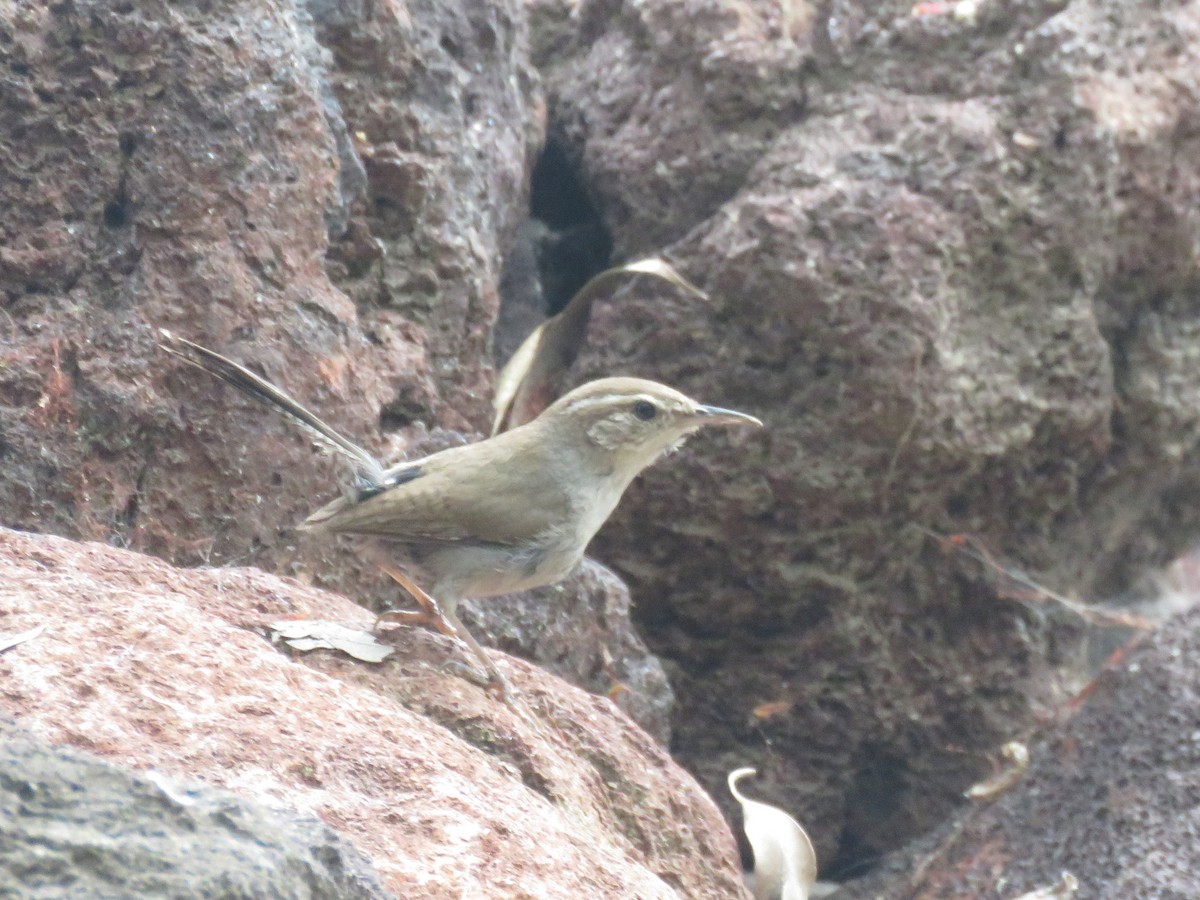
{"points": [[715, 415]]}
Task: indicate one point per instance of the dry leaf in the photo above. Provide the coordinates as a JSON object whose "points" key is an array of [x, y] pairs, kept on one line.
{"points": [[1018, 756], [315, 634], [1066, 887], [7, 643], [168, 789], [785, 864], [532, 379], [772, 709]]}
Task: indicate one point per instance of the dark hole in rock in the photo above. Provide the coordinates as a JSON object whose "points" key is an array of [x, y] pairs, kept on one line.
{"points": [[116, 213], [128, 516], [874, 801], [958, 505], [402, 412], [853, 860], [562, 244]]}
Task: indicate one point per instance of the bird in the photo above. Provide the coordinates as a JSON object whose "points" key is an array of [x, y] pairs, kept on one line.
{"points": [[504, 514]]}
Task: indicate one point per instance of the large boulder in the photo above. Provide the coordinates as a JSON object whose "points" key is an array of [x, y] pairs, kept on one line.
{"points": [[448, 792], [1109, 796], [951, 253], [323, 196], [322, 192]]}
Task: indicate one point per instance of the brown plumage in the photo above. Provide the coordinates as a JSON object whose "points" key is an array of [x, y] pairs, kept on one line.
{"points": [[508, 513]]}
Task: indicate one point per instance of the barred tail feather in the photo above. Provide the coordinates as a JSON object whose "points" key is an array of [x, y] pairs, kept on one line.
{"points": [[367, 466]]}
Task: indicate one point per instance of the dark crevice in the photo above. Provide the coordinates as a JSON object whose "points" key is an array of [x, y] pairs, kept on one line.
{"points": [[557, 194], [128, 143], [562, 244], [875, 796], [116, 213], [128, 516], [402, 411]]}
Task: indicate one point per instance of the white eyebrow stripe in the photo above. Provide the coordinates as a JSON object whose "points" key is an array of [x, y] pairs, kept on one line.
{"points": [[607, 400]]}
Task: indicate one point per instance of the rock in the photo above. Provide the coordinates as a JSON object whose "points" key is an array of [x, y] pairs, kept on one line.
{"points": [[1108, 796], [449, 792], [952, 266], [321, 192], [581, 630], [78, 826]]}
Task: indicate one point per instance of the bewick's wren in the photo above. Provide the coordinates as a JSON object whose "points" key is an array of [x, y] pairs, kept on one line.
{"points": [[509, 513]]}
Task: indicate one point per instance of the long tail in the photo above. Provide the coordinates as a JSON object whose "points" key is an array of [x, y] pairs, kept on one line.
{"points": [[365, 465]]}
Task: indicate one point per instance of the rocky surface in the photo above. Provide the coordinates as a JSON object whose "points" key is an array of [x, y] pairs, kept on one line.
{"points": [[322, 192], [952, 262], [1110, 796], [449, 793], [581, 630], [951, 259], [77, 826]]}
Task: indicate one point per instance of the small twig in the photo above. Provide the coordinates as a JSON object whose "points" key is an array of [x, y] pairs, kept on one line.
{"points": [[1030, 591]]}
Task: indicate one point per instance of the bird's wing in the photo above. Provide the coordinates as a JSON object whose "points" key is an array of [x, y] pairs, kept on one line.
{"points": [[506, 499]]}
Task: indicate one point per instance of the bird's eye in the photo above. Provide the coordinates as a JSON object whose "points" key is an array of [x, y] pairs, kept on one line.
{"points": [[645, 410]]}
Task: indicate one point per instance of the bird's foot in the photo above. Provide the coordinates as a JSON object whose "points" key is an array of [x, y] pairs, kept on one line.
{"points": [[430, 612], [413, 617]]}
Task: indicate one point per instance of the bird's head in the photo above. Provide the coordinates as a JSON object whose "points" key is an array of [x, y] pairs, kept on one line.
{"points": [[630, 422]]}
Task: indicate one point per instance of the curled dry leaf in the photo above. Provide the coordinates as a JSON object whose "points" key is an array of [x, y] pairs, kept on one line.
{"points": [[169, 790], [1018, 756], [785, 864], [533, 378], [1063, 889], [315, 634], [771, 709], [7, 643]]}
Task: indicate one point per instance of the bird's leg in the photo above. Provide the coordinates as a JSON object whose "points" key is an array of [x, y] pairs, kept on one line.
{"points": [[497, 683], [445, 621], [430, 613]]}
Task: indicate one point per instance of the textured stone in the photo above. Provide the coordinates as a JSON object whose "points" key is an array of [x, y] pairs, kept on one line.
{"points": [[449, 792], [322, 196], [581, 630], [1110, 796], [320, 192], [76, 826], [952, 264]]}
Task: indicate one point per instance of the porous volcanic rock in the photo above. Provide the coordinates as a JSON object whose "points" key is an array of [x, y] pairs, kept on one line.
{"points": [[952, 262], [321, 192], [449, 792], [1110, 796], [582, 631], [77, 826], [320, 196]]}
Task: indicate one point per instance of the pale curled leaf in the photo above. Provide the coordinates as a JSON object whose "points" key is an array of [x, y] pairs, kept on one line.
{"points": [[1063, 889], [169, 790], [785, 864], [531, 380], [1018, 756], [315, 634], [7, 643]]}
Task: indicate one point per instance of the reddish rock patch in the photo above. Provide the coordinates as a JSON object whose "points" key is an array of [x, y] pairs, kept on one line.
{"points": [[445, 790]]}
